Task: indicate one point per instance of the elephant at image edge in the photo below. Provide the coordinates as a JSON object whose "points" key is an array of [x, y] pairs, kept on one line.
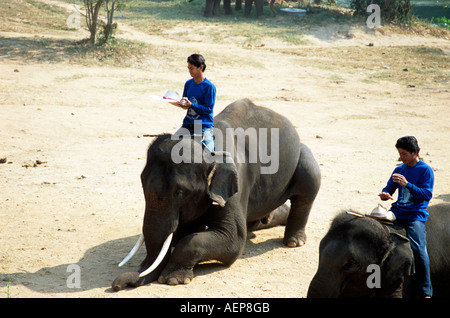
{"points": [[353, 243], [180, 199], [212, 7]]}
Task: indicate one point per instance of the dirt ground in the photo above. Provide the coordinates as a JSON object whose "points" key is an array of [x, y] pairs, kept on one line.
{"points": [[74, 140]]}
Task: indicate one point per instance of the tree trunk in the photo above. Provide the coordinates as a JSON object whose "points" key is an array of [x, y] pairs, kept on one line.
{"points": [[91, 18], [109, 28]]}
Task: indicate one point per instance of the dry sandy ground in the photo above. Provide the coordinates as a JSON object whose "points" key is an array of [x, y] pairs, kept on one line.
{"points": [[73, 137]]}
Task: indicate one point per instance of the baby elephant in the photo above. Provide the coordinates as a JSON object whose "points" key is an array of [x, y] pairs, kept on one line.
{"points": [[361, 257]]}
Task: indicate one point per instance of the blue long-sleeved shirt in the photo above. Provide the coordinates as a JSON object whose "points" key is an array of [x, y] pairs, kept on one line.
{"points": [[413, 199], [203, 97]]}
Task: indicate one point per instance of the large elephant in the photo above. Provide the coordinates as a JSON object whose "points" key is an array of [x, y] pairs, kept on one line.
{"points": [[356, 249], [212, 7], [207, 201]]}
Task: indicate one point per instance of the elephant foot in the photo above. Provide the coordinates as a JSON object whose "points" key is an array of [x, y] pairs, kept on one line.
{"points": [[295, 241], [180, 276]]}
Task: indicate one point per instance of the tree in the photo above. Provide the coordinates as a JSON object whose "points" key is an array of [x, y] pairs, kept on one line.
{"points": [[92, 17], [92, 11], [110, 27]]}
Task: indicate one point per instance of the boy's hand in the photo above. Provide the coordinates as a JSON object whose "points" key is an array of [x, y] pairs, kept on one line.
{"points": [[385, 196], [184, 103], [400, 179]]}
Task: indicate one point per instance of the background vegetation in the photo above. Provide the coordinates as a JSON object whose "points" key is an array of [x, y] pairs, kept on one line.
{"points": [[177, 20]]}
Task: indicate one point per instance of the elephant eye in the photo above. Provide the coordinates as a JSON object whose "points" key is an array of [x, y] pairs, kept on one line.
{"points": [[351, 264], [180, 193]]}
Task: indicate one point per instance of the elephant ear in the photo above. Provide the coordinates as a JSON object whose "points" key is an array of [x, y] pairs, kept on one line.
{"points": [[398, 261], [223, 178]]}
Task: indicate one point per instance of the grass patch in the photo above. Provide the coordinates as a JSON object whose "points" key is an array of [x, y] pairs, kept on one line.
{"points": [[399, 64], [413, 65], [31, 16], [120, 53], [184, 21]]}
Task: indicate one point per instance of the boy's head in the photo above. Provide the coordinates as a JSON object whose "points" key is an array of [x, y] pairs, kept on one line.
{"points": [[409, 143], [197, 60]]}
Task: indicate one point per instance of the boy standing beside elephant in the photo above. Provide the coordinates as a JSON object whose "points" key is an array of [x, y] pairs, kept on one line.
{"points": [[414, 180]]}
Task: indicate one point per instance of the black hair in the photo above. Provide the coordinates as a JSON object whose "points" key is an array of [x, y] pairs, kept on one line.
{"points": [[409, 143], [197, 60]]}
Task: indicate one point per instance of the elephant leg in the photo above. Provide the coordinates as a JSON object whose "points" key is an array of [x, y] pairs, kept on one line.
{"points": [[216, 8], [238, 5], [248, 7], [294, 234], [259, 4], [305, 188], [224, 246], [274, 218], [272, 9], [208, 9], [227, 6]]}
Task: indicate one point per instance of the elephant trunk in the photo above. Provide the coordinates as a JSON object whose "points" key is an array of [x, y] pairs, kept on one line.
{"points": [[127, 279], [320, 289]]}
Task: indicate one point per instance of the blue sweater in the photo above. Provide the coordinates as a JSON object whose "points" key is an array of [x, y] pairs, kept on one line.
{"points": [[203, 97], [413, 199]]}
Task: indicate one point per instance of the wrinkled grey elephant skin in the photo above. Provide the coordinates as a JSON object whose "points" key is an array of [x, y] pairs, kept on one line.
{"points": [[209, 205], [353, 243]]}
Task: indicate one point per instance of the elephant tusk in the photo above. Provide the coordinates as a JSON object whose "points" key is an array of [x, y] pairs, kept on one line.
{"points": [[160, 257], [136, 247]]}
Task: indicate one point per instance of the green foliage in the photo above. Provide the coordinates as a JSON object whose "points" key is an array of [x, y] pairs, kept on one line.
{"points": [[441, 22]]}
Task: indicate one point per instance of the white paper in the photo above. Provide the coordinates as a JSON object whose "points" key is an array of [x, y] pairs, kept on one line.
{"points": [[169, 97], [164, 99]]}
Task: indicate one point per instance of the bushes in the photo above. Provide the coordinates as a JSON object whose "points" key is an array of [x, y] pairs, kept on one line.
{"points": [[391, 10]]}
